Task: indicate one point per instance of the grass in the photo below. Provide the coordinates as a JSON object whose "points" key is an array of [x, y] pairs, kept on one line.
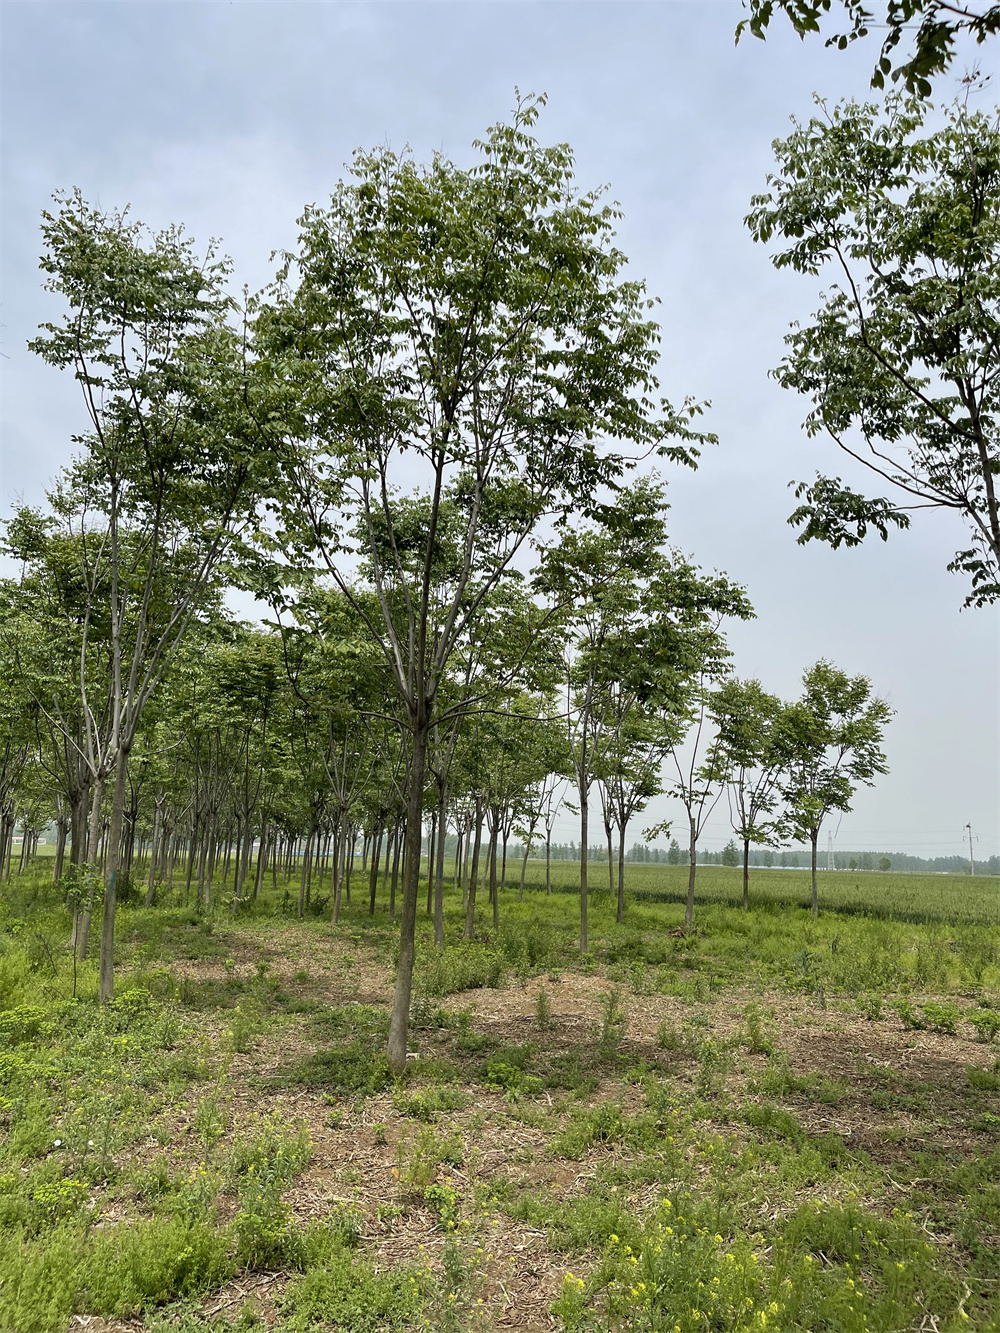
{"points": [[769, 1123]]}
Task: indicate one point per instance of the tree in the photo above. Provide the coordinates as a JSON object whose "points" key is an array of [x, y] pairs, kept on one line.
{"points": [[642, 625], [749, 722], [674, 853], [902, 361], [730, 855], [165, 478], [466, 335], [630, 774], [938, 24], [832, 741]]}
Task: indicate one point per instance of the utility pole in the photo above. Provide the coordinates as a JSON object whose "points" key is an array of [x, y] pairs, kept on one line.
{"points": [[972, 863], [829, 850]]}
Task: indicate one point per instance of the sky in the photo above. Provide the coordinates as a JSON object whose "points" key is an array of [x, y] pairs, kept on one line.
{"points": [[230, 117]]}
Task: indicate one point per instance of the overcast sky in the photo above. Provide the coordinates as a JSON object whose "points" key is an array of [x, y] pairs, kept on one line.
{"points": [[230, 117]]}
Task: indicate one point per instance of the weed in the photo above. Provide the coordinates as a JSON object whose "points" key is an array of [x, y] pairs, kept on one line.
{"points": [[779, 1080], [941, 1017], [753, 1031], [428, 1105], [443, 1201], [676, 1041], [869, 1005], [987, 1024], [418, 1160], [353, 1068], [339, 1291], [244, 1026], [983, 1080], [543, 1010], [611, 1032], [714, 1062]]}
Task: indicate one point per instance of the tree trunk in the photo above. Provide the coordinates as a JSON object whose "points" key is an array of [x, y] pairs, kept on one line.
{"points": [[477, 840], [524, 867], [93, 840], [584, 834], [350, 849], [107, 964], [258, 878], [390, 842], [376, 858], [746, 874], [306, 859], [442, 823], [431, 858], [621, 876], [814, 838], [548, 863], [400, 1020], [457, 878], [692, 868], [492, 863], [466, 860], [62, 828], [151, 883], [397, 848], [608, 833]]}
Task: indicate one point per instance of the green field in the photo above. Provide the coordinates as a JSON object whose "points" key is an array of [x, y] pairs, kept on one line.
{"points": [[946, 898], [768, 1123]]}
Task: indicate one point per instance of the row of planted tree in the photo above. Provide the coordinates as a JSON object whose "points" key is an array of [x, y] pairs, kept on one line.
{"points": [[417, 451]]}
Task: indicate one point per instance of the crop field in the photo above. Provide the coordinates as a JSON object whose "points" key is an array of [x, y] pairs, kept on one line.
{"points": [[769, 1123]]}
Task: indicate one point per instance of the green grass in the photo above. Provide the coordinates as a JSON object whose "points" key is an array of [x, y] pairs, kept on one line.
{"points": [[954, 899], [703, 1156]]}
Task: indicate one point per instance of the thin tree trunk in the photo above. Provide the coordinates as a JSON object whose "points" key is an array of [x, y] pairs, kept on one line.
{"points": [[693, 851], [466, 860], [584, 833], [397, 850], [608, 833], [746, 874], [470, 909], [431, 850], [258, 878], [352, 837], [151, 883], [107, 963], [621, 876], [390, 843], [492, 863], [192, 853], [459, 841], [376, 857], [93, 838], [442, 824], [62, 829], [399, 1021], [306, 858], [548, 863], [814, 838]]}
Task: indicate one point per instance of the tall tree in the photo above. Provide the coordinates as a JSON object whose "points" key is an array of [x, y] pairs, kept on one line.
{"points": [[630, 773], [467, 333], [832, 742], [936, 24], [749, 722], [902, 360], [165, 479]]}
